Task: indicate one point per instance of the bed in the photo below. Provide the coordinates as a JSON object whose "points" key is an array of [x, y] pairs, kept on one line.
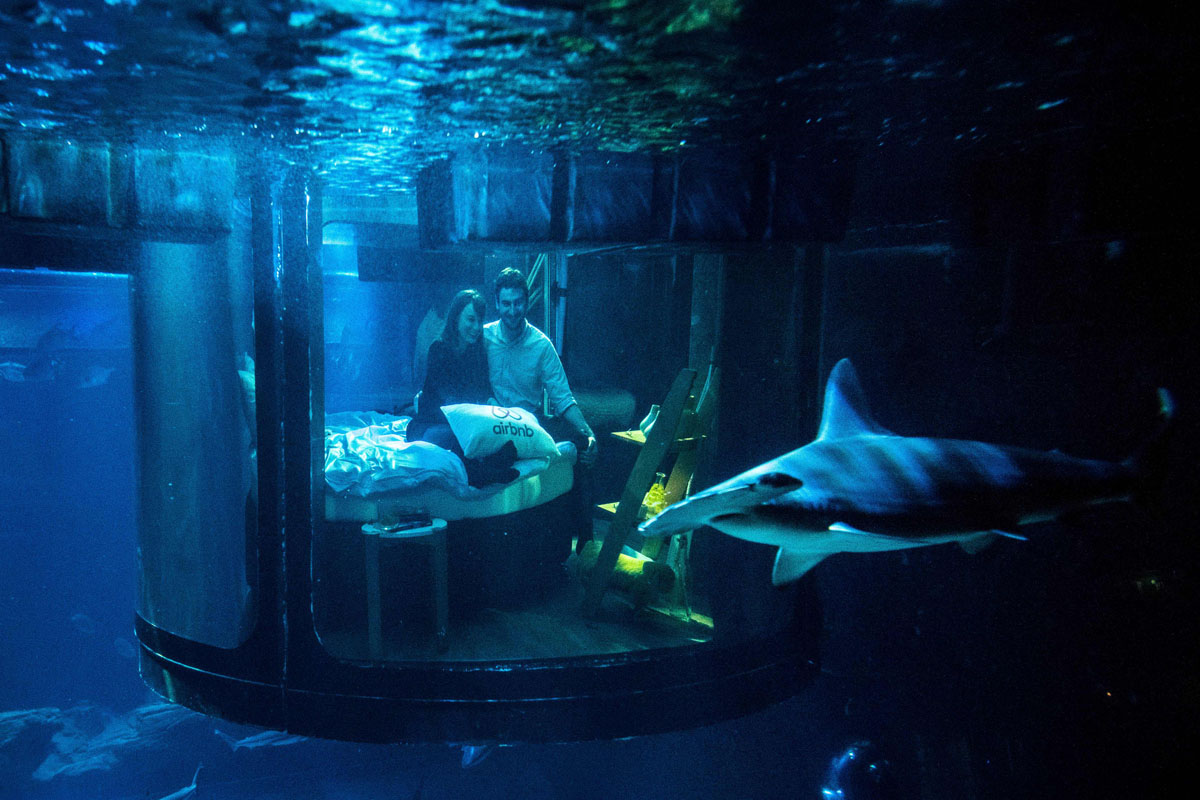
{"points": [[372, 473]]}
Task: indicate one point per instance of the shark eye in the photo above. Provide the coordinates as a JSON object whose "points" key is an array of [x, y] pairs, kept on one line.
{"points": [[780, 480]]}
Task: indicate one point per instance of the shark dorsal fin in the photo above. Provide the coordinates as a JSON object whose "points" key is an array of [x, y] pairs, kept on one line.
{"points": [[845, 412]]}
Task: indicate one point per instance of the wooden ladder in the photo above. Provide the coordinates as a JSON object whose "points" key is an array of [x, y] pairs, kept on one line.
{"points": [[683, 423]]}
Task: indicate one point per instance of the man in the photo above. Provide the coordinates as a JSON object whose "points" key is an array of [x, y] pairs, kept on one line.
{"points": [[522, 363]]}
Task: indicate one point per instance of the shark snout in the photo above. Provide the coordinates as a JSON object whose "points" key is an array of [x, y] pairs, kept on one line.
{"points": [[730, 499]]}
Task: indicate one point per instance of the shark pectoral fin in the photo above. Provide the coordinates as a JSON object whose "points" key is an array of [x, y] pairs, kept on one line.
{"points": [[792, 564], [1008, 535], [978, 542], [909, 541]]}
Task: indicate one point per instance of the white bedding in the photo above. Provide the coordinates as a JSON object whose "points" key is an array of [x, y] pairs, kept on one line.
{"points": [[366, 455]]}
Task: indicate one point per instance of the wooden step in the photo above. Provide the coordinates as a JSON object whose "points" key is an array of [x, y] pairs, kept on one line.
{"points": [[638, 438]]}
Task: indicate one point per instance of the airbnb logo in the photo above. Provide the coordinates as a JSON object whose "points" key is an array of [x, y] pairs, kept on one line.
{"points": [[512, 430]]}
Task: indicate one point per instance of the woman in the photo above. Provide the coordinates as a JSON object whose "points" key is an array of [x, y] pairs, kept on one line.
{"points": [[457, 372]]}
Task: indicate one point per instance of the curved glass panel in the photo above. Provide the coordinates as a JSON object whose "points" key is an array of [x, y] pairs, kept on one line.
{"points": [[197, 504]]}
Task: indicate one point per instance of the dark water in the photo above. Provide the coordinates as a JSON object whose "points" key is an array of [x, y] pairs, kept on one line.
{"points": [[1062, 667], [1057, 667]]}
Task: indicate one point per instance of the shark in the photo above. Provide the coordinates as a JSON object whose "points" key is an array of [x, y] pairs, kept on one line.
{"points": [[264, 739], [860, 488]]}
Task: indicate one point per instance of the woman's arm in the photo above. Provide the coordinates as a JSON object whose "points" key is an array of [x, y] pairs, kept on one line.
{"points": [[437, 370]]}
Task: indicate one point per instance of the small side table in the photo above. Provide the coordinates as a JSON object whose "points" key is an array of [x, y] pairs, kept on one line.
{"points": [[433, 535]]}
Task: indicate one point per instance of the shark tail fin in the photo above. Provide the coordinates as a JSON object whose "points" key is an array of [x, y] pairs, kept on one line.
{"points": [[1149, 464], [790, 565]]}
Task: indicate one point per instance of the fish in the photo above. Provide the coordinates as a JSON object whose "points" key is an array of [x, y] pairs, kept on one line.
{"points": [[124, 648], [95, 739], [59, 337], [49, 368], [46, 357], [264, 739], [187, 791], [55, 355], [860, 488], [473, 754]]}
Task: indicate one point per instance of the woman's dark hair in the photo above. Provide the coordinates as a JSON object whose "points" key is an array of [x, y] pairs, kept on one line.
{"points": [[460, 301], [510, 278]]}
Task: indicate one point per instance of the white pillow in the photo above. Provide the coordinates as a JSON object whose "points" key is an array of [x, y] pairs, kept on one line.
{"points": [[482, 430]]}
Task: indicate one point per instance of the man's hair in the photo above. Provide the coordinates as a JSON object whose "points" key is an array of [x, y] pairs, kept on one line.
{"points": [[510, 278]]}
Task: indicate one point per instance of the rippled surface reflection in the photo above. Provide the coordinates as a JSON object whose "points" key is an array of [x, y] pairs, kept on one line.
{"points": [[370, 89]]}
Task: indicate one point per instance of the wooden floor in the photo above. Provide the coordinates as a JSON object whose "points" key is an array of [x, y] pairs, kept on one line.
{"points": [[554, 628]]}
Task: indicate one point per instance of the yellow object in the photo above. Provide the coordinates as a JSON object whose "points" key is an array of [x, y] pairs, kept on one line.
{"points": [[642, 579], [656, 499]]}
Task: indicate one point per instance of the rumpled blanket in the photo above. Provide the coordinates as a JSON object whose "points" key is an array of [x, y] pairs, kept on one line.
{"points": [[366, 453]]}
